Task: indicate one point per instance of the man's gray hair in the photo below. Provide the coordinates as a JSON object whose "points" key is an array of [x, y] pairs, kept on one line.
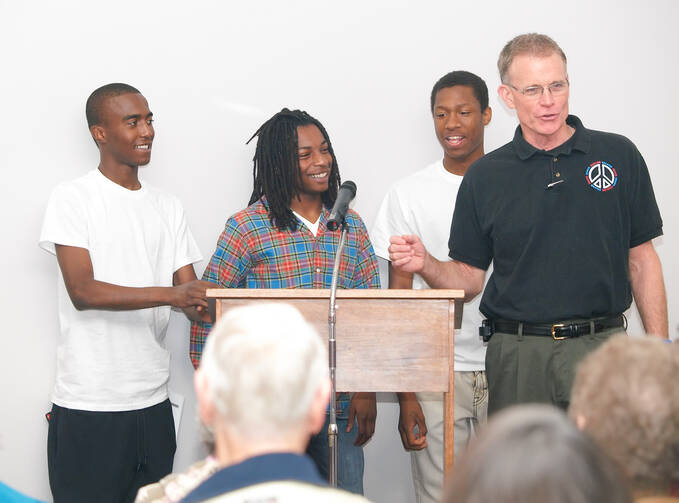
{"points": [[627, 392], [532, 452], [535, 44], [264, 364]]}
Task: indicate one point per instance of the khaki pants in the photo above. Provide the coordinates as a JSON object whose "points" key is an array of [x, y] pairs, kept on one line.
{"points": [[528, 368], [471, 404]]}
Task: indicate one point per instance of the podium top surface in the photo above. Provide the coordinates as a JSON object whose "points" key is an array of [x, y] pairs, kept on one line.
{"points": [[324, 293]]}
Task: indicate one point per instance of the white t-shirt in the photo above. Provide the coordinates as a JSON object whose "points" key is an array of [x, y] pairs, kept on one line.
{"points": [[312, 226], [423, 204], [115, 360]]}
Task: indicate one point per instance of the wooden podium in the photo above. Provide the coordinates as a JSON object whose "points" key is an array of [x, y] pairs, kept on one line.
{"points": [[387, 340]]}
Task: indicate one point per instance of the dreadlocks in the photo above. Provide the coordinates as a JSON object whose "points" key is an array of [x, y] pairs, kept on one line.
{"points": [[276, 166]]}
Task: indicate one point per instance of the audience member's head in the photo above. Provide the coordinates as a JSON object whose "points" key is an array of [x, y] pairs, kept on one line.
{"points": [[533, 453], [263, 382], [625, 396]]}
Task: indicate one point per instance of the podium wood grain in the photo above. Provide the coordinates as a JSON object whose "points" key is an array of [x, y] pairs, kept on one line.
{"points": [[387, 340]]}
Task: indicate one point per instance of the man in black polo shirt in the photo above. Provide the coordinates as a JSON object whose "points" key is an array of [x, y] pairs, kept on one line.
{"points": [[567, 216]]}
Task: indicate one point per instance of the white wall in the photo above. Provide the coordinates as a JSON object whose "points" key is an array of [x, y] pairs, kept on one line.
{"points": [[213, 71]]}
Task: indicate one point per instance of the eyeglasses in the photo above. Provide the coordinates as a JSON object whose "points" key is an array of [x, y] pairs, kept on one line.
{"points": [[555, 88]]}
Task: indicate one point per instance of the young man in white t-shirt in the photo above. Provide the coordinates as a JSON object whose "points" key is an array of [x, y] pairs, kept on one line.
{"points": [[125, 256], [423, 204]]}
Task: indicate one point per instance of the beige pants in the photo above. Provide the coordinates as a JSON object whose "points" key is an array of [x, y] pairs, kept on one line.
{"points": [[471, 401]]}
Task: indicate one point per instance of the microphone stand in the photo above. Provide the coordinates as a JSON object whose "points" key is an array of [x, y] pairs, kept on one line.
{"points": [[332, 426]]}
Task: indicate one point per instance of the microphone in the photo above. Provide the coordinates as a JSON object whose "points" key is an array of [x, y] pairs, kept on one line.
{"points": [[346, 193]]}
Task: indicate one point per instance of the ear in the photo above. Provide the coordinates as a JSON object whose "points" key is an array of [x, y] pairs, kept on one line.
{"points": [[98, 133], [206, 409], [319, 406], [506, 95], [486, 115]]}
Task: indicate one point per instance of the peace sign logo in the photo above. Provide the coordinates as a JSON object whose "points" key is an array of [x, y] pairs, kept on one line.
{"points": [[601, 176]]}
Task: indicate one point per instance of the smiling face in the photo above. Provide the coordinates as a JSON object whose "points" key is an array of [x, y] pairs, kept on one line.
{"points": [[459, 123], [125, 133], [542, 118], [315, 161]]}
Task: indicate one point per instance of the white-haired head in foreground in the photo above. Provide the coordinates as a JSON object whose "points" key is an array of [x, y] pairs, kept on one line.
{"points": [[263, 381]]}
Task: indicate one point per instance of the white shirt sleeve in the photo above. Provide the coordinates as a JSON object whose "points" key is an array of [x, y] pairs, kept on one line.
{"points": [[391, 221], [65, 221]]}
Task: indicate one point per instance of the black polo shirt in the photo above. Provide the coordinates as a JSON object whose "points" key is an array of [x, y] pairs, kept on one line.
{"points": [[558, 225]]}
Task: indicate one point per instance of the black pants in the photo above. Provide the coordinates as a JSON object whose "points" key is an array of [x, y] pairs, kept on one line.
{"points": [[105, 457]]}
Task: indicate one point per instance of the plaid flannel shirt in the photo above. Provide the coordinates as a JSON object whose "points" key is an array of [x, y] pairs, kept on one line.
{"points": [[251, 253]]}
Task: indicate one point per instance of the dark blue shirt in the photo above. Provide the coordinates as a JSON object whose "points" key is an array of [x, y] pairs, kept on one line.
{"points": [[257, 470], [558, 225]]}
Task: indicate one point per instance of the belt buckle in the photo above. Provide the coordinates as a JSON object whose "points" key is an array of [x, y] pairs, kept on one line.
{"points": [[554, 336]]}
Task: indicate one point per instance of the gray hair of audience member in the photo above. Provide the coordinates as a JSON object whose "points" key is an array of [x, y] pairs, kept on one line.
{"points": [[534, 44], [625, 396], [264, 364], [534, 453]]}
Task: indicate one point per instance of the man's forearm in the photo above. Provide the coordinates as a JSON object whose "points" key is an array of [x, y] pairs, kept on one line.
{"points": [[405, 396], [652, 304], [95, 294], [88, 293], [648, 288], [437, 275], [453, 274]]}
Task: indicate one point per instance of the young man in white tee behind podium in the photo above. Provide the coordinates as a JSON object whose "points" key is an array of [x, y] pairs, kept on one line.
{"points": [[125, 256], [422, 204]]}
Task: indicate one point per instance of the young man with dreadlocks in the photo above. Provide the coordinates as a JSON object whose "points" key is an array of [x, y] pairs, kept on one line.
{"points": [[281, 241]]}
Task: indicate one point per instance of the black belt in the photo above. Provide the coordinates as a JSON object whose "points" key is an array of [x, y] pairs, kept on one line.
{"points": [[562, 330]]}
